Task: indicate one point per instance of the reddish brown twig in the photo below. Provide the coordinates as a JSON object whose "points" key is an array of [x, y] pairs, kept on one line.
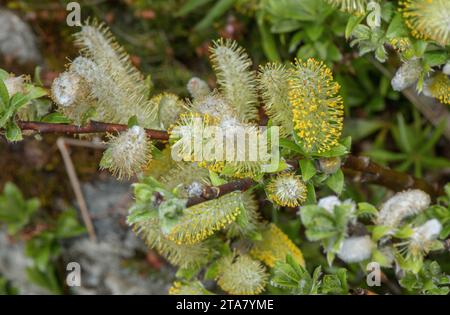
{"points": [[91, 127], [364, 170], [360, 168], [212, 192]]}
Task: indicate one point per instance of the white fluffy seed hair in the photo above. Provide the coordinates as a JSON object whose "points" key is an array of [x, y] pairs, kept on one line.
{"points": [[356, 249], [407, 75], [68, 88], [198, 88], [328, 203], [427, 232], [446, 68], [403, 205], [127, 153], [15, 85]]}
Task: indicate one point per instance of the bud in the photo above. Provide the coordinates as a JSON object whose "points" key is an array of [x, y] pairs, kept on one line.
{"points": [[329, 165], [287, 190], [423, 237], [446, 68], [68, 88], [407, 74], [241, 275], [15, 85], [198, 88], [356, 249], [127, 153]]}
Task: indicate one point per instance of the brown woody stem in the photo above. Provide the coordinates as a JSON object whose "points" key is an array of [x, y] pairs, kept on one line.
{"points": [[91, 127], [359, 168]]}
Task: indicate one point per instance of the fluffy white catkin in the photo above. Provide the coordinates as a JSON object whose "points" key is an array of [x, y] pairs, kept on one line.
{"points": [[403, 205], [356, 249]]}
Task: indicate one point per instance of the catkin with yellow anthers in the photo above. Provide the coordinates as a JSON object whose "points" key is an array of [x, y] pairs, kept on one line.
{"points": [[273, 84], [357, 7], [117, 85], [188, 134], [438, 86], [248, 219], [203, 220], [71, 94], [275, 246], [403, 46], [287, 190], [428, 19], [178, 255], [236, 79], [170, 106], [317, 108], [241, 275], [188, 288], [127, 153]]}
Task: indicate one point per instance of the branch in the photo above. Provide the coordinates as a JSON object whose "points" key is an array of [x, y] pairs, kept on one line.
{"points": [[213, 192], [91, 127], [364, 170], [360, 168]]}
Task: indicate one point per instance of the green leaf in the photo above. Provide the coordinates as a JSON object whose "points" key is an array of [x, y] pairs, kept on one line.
{"points": [[315, 31], [285, 26], [403, 134], [4, 96], [397, 28], [3, 75], [338, 150], [353, 21], [190, 6], [216, 11], [37, 76], [380, 231], [34, 92], [46, 279], [215, 179], [132, 121], [308, 169], [13, 132], [268, 40], [288, 144], [336, 182], [435, 58], [386, 156], [311, 194], [56, 118], [68, 225], [366, 208], [15, 103], [212, 272]]}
